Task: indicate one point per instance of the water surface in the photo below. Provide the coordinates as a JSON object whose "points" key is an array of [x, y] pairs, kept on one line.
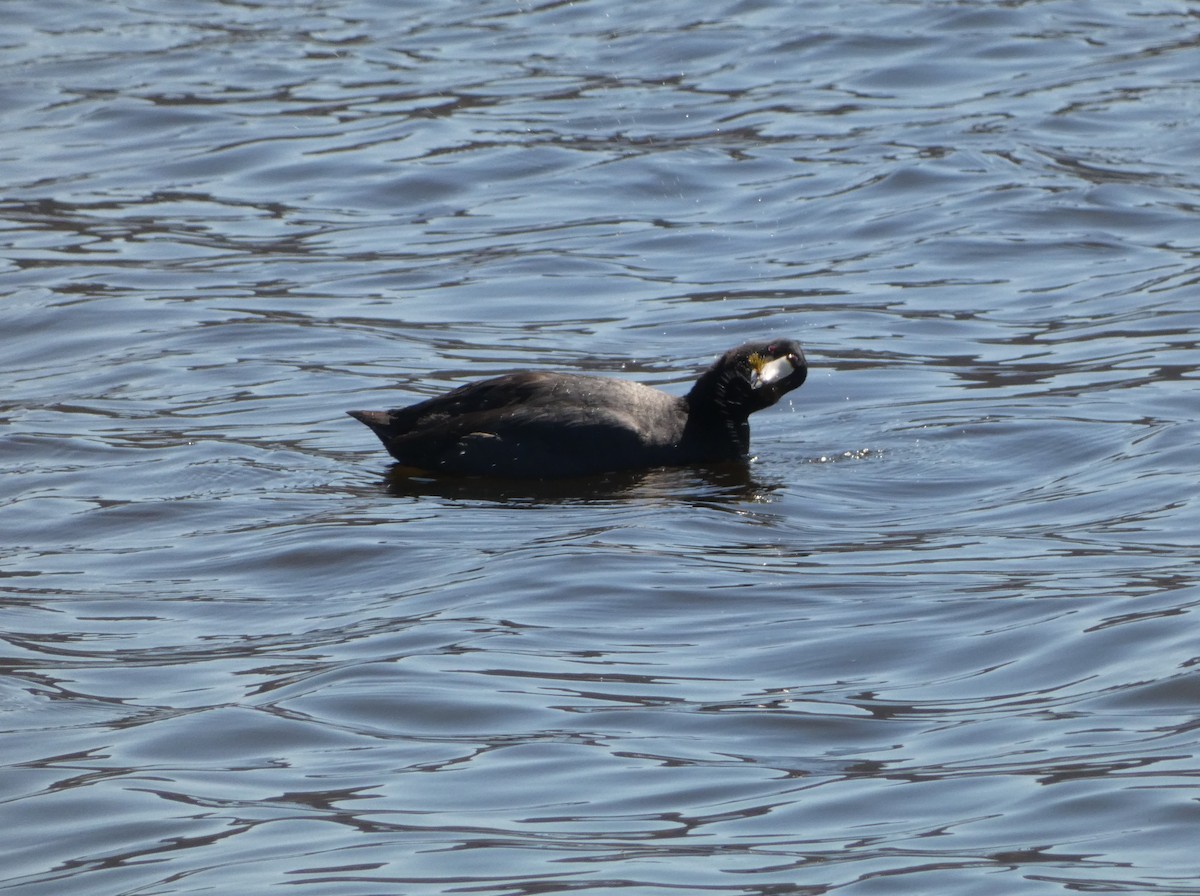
{"points": [[938, 637]]}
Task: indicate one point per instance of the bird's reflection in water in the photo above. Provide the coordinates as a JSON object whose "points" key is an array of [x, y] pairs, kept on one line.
{"points": [[726, 483]]}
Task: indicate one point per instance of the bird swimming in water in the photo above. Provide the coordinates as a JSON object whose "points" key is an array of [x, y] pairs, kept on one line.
{"points": [[540, 425]]}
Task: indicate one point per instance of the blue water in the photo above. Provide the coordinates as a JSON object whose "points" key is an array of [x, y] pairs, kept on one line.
{"points": [[939, 637]]}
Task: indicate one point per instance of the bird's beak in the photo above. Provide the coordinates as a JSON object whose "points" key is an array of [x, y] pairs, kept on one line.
{"points": [[767, 372]]}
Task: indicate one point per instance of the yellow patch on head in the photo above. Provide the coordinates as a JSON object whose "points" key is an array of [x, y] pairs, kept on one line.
{"points": [[757, 361]]}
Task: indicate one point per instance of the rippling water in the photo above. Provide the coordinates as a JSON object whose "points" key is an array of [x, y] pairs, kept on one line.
{"points": [[939, 637]]}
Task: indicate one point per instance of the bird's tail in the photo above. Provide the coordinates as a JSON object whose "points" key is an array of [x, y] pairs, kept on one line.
{"points": [[378, 421]]}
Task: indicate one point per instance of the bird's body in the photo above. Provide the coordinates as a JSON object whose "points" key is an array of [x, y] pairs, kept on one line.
{"points": [[549, 425]]}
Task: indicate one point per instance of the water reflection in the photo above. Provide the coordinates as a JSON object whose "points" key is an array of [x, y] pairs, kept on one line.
{"points": [[733, 482]]}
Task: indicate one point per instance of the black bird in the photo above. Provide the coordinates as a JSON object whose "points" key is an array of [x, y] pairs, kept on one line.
{"points": [[549, 425]]}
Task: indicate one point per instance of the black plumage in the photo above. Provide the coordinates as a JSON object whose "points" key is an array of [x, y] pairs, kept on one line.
{"points": [[549, 425]]}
